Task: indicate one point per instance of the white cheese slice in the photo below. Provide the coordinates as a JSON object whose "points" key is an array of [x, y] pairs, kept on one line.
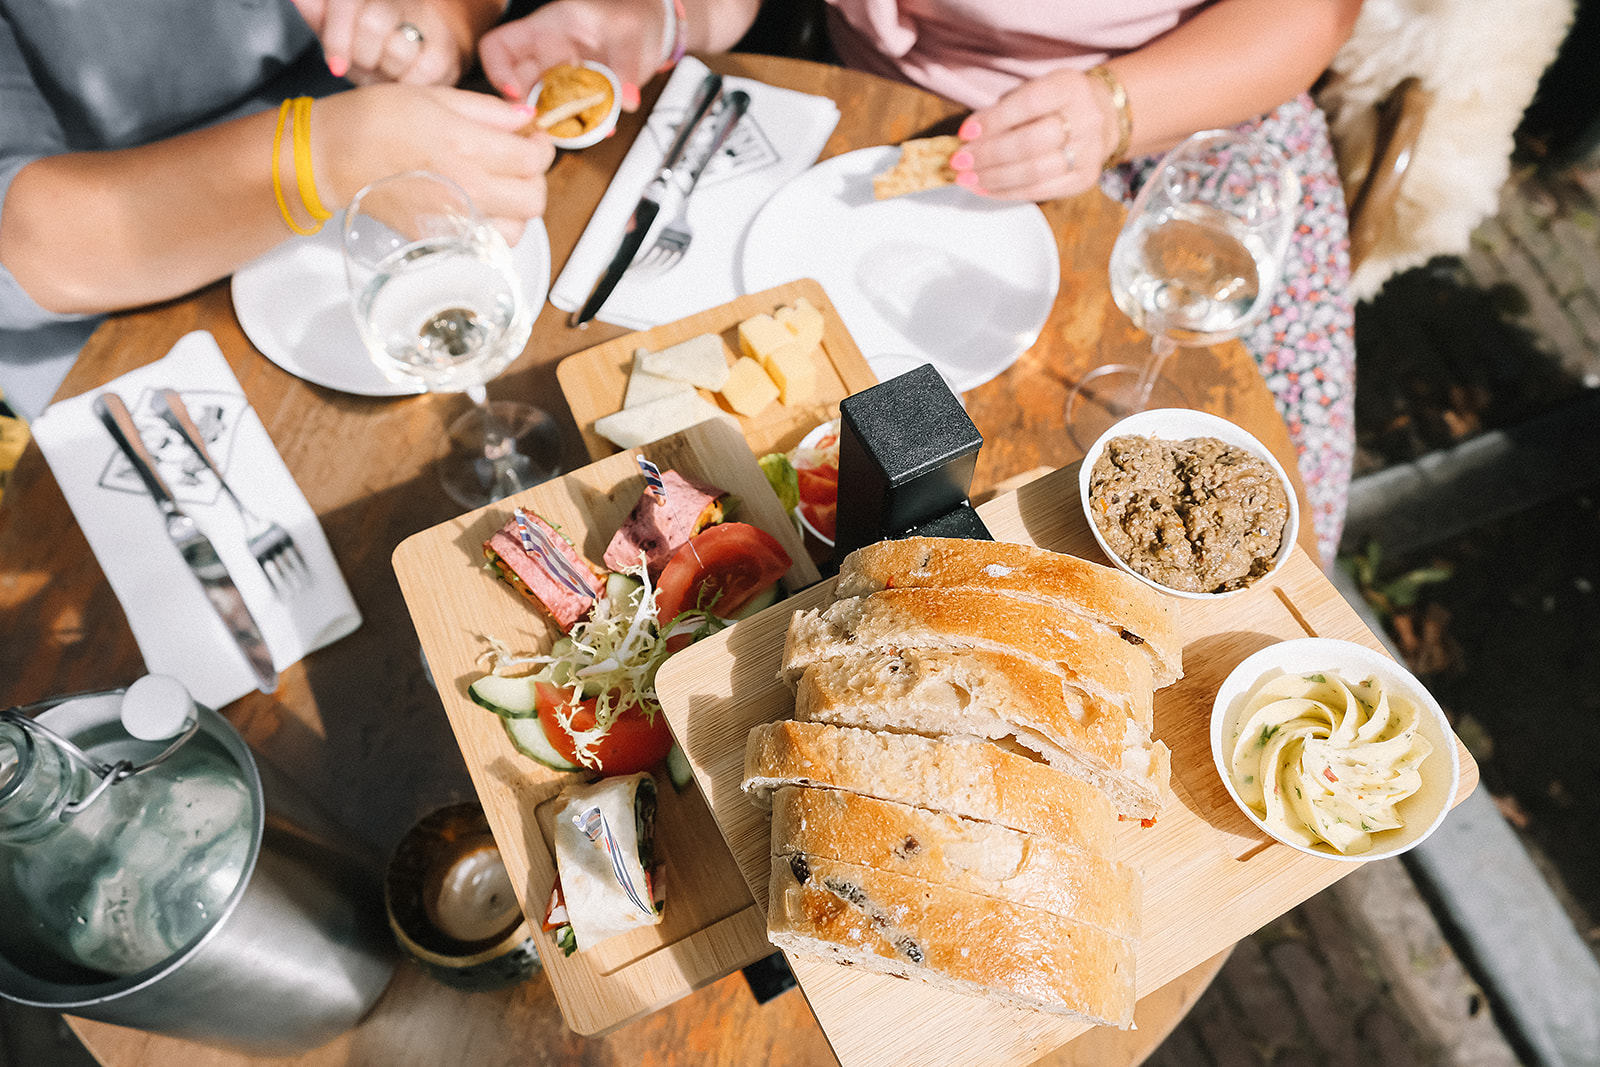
{"points": [[701, 361], [632, 427], [644, 387]]}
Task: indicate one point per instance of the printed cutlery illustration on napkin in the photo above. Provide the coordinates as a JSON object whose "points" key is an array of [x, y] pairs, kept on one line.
{"points": [[217, 416]]}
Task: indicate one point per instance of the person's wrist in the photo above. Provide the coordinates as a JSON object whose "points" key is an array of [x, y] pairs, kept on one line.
{"points": [[1117, 111]]}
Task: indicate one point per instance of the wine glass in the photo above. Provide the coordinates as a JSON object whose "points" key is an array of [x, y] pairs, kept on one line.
{"points": [[438, 302], [1195, 264]]}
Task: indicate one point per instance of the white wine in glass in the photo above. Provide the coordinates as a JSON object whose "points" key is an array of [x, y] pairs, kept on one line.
{"points": [[438, 302], [1196, 263]]}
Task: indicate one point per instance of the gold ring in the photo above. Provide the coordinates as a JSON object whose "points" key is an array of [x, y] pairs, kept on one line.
{"points": [[1066, 141], [409, 32]]}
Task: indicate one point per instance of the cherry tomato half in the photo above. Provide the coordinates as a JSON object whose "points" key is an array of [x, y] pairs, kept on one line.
{"points": [[721, 569], [634, 743]]}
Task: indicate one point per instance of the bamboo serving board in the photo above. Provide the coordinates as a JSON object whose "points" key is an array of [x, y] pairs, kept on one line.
{"points": [[595, 380], [710, 927], [1210, 877]]}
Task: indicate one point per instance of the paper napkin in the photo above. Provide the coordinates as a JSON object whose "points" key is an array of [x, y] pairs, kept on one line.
{"points": [[173, 622], [778, 138]]}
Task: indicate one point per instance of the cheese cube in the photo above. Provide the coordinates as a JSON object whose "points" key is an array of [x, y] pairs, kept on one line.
{"points": [[804, 321], [701, 361], [748, 389], [794, 370], [761, 335]]}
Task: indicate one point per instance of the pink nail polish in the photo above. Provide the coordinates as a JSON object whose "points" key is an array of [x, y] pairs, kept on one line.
{"points": [[970, 130], [630, 96], [969, 179], [337, 67], [510, 92], [961, 160]]}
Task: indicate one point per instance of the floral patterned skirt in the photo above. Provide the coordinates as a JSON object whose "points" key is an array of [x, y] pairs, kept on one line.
{"points": [[1305, 346]]}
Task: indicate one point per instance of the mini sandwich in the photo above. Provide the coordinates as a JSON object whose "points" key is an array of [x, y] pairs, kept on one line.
{"points": [[606, 873], [533, 558], [656, 529]]}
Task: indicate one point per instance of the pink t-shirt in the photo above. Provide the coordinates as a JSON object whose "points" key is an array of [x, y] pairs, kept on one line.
{"points": [[974, 51]]}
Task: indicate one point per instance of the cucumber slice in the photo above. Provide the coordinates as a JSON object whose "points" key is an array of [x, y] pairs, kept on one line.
{"points": [[512, 698], [678, 768], [763, 600], [623, 588], [529, 737]]}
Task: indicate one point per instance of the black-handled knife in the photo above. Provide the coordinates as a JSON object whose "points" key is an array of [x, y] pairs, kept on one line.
{"points": [[649, 205]]}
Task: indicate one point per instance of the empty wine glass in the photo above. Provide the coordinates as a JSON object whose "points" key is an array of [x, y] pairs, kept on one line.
{"points": [[439, 303], [1195, 264]]}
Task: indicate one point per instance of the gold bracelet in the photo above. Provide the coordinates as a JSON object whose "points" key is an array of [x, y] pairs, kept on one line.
{"points": [[304, 177], [277, 182], [1119, 101]]}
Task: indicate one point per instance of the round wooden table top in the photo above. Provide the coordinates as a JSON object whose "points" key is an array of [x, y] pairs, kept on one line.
{"points": [[358, 725]]}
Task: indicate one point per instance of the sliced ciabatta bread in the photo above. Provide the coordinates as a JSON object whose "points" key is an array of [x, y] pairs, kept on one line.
{"points": [[974, 779], [969, 693], [1115, 600], [1086, 656], [975, 857], [960, 941]]}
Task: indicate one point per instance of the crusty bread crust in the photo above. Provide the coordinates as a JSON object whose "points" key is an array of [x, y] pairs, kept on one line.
{"points": [[1087, 657], [975, 857], [956, 940], [971, 778], [968, 693], [1112, 598]]}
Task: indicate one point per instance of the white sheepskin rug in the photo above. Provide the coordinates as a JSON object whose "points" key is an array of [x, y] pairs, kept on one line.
{"points": [[1481, 60]]}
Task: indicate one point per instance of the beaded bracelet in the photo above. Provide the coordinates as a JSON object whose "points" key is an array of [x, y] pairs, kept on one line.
{"points": [[675, 35], [1119, 101], [277, 182]]}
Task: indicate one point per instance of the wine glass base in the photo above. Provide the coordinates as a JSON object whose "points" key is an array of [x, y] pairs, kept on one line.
{"points": [[1109, 394], [472, 478]]}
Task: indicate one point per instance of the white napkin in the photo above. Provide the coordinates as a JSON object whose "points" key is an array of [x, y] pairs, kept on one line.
{"points": [[778, 138], [177, 630]]}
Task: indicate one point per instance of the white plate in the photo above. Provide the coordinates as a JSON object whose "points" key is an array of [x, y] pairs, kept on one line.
{"points": [[1424, 810], [295, 308], [943, 277]]}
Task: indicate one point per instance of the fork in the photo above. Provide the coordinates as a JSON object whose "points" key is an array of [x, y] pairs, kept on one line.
{"points": [[272, 546], [673, 242]]}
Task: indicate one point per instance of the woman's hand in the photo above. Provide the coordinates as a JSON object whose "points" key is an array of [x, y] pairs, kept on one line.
{"points": [[423, 42], [471, 138], [625, 35], [1045, 139]]}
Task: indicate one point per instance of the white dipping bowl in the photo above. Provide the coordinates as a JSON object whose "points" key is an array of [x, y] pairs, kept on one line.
{"points": [[607, 124], [810, 441], [1180, 424], [1423, 811]]}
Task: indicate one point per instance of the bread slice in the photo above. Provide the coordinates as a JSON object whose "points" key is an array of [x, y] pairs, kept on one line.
{"points": [[969, 693], [952, 939], [1136, 613], [975, 857], [1087, 657], [970, 778]]}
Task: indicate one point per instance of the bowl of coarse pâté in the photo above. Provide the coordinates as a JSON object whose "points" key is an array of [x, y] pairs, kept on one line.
{"points": [[1189, 503]]}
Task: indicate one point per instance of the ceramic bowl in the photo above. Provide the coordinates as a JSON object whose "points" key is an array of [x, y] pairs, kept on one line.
{"points": [[1423, 811], [810, 441], [605, 126], [1178, 424]]}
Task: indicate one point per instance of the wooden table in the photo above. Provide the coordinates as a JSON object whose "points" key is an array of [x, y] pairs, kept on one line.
{"points": [[357, 723]]}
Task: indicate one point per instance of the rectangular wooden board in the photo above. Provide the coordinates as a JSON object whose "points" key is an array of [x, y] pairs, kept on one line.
{"points": [[710, 927], [1210, 878], [595, 380]]}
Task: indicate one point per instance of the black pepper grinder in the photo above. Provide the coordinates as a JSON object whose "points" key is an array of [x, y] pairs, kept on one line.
{"points": [[907, 452]]}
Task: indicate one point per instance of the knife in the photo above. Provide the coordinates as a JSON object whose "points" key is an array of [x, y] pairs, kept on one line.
{"points": [[649, 205], [193, 545], [733, 108]]}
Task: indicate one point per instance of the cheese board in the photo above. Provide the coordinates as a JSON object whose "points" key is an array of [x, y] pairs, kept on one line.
{"points": [[595, 381], [710, 927], [1210, 877]]}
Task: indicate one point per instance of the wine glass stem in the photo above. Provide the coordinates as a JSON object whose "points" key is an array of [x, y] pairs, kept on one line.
{"points": [[1161, 347]]}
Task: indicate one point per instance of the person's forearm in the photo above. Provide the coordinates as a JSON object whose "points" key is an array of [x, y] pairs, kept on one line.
{"points": [[717, 25], [1231, 62]]}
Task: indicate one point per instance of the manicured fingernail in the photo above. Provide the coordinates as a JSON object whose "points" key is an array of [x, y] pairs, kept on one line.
{"points": [[961, 160], [527, 109], [337, 67], [630, 96], [970, 130], [969, 179], [511, 92]]}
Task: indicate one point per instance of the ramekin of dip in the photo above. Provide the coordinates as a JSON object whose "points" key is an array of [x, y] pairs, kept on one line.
{"points": [[1334, 749]]}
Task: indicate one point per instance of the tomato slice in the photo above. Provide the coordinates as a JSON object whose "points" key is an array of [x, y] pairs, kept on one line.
{"points": [[818, 485], [822, 517], [721, 569], [634, 742]]}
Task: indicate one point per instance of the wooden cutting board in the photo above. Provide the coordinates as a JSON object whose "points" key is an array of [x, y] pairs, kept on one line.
{"points": [[595, 380], [710, 926], [1210, 878]]}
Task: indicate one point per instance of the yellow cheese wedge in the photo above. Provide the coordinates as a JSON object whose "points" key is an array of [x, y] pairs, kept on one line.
{"points": [[748, 389], [803, 320], [794, 369], [760, 335]]}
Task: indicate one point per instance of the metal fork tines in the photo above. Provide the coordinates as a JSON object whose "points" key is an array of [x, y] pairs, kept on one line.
{"points": [[272, 546], [673, 241]]}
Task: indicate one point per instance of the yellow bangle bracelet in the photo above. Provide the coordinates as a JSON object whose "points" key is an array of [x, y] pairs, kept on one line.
{"points": [[1119, 101], [277, 181], [303, 174]]}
